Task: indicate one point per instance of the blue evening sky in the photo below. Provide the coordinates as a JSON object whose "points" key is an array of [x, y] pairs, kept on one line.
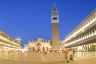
{"points": [[32, 18]]}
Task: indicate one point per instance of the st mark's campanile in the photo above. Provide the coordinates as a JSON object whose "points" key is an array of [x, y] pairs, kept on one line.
{"points": [[55, 29]]}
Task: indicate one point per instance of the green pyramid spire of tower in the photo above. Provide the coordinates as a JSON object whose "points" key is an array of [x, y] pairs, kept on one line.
{"points": [[54, 7]]}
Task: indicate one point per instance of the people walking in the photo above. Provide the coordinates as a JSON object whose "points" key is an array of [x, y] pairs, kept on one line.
{"points": [[73, 51], [66, 55], [71, 54], [8, 52]]}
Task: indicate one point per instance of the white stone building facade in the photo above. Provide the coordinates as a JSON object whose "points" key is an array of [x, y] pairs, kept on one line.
{"points": [[62, 44], [39, 45], [83, 37]]}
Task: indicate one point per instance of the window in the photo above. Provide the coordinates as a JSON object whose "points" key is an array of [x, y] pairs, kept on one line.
{"points": [[54, 18], [55, 12]]}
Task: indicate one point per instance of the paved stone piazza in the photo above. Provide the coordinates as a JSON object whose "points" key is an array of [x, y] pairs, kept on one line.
{"points": [[51, 58]]}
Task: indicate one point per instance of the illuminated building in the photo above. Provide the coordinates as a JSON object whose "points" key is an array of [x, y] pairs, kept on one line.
{"points": [[39, 45], [55, 29], [8, 43], [61, 44], [19, 40], [26, 46], [83, 37], [22, 47]]}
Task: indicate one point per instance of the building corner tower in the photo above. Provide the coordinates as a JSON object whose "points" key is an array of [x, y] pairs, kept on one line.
{"points": [[55, 29]]}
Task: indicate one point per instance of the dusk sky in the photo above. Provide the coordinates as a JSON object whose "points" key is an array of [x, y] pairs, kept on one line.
{"points": [[32, 18]]}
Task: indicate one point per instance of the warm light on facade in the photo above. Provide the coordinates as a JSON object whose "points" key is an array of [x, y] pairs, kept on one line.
{"points": [[8, 42], [82, 29], [79, 47]]}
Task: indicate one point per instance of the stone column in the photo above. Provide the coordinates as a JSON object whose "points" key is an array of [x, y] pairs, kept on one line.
{"points": [[82, 47], [83, 37], [91, 33], [95, 31], [93, 47], [87, 47], [86, 35]]}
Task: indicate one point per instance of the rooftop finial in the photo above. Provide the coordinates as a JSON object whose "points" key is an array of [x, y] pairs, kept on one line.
{"points": [[54, 2], [18, 37]]}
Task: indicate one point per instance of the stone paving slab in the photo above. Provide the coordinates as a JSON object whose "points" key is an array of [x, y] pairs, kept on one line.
{"points": [[39, 58], [85, 61]]}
